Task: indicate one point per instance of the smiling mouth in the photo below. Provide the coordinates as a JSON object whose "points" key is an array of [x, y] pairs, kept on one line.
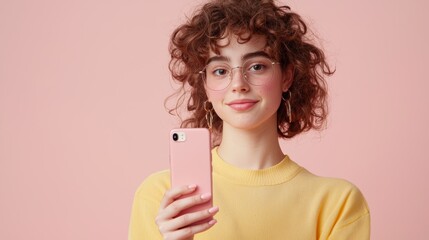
{"points": [[242, 105]]}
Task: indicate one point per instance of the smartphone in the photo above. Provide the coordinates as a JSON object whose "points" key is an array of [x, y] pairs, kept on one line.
{"points": [[190, 163]]}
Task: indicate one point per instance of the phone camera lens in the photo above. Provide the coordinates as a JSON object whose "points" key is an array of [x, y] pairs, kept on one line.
{"points": [[175, 136]]}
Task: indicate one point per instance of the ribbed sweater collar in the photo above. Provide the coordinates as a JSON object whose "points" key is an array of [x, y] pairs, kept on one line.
{"points": [[277, 174]]}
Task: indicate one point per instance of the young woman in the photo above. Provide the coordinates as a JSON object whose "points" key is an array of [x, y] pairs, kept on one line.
{"points": [[252, 76]]}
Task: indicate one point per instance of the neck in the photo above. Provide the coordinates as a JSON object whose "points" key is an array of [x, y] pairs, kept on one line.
{"points": [[250, 149]]}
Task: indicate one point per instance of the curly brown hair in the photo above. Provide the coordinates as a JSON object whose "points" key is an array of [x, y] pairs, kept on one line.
{"points": [[287, 40]]}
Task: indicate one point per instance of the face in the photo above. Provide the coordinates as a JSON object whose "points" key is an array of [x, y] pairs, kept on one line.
{"points": [[241, 104]]}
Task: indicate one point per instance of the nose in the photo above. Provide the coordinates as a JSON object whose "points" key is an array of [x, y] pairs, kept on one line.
{"points": [[238, 81]]}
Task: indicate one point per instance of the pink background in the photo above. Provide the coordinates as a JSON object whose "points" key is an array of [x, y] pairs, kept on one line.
{"points": [[82, 122]]}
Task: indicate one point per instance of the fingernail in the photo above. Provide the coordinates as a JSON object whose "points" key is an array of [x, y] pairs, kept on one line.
{"points": [[206, 196], [212, 222], [213, 209], [192, 186]]}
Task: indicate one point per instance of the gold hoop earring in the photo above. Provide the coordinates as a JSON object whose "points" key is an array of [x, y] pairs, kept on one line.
{"points": [[209, 115], [288, 107]]}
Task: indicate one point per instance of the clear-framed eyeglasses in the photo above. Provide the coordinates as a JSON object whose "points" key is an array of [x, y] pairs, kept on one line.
{"points": [[257, 71]]}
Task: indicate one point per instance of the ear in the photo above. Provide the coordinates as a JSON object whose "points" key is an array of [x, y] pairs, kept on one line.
{"points": [[287, 77]]}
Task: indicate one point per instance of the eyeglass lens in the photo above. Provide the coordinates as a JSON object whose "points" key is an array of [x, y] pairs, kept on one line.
{"points": [[256, 71]]}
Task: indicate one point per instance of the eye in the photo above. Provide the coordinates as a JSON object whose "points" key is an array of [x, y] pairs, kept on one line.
{"points": [[219, 72], [256, 67]]}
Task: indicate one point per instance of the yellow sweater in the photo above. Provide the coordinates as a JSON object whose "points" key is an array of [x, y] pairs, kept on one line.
{"points": [[281, 202]]}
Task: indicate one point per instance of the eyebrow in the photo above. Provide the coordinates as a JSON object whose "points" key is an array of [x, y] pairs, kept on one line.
{"points": [[244, 58]]}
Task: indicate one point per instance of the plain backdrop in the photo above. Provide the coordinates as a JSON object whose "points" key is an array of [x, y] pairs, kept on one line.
{"points": [[82, 118]]}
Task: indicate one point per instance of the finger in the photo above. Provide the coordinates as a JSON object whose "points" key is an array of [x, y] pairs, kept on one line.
{"points": [[189, 218], [190, 231], [175, 193], [177, 206]]}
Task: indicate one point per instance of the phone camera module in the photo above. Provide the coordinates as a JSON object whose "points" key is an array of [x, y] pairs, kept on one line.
{"points": [[178, 136], [175, 136]]}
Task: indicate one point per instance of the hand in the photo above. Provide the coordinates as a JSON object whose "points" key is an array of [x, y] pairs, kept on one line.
{"points": [[176, 227]]}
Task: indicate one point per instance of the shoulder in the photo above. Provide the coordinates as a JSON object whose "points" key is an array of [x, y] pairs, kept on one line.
{"points": [[340, 200], [146, 203], [154, 186], [328, 185]]}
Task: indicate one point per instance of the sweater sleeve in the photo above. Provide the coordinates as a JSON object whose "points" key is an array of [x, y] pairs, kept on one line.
{"points": [[358, 229], [145, 208], [352, 218]]}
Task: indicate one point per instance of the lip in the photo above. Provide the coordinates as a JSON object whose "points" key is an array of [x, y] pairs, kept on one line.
{"points": [[242, 104]]}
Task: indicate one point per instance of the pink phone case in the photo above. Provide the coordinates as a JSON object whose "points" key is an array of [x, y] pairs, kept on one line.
{"points": [[190, 163]]}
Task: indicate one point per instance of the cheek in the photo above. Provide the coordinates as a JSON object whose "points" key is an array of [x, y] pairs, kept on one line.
{"points": [[215, 96], [273, 90]]}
